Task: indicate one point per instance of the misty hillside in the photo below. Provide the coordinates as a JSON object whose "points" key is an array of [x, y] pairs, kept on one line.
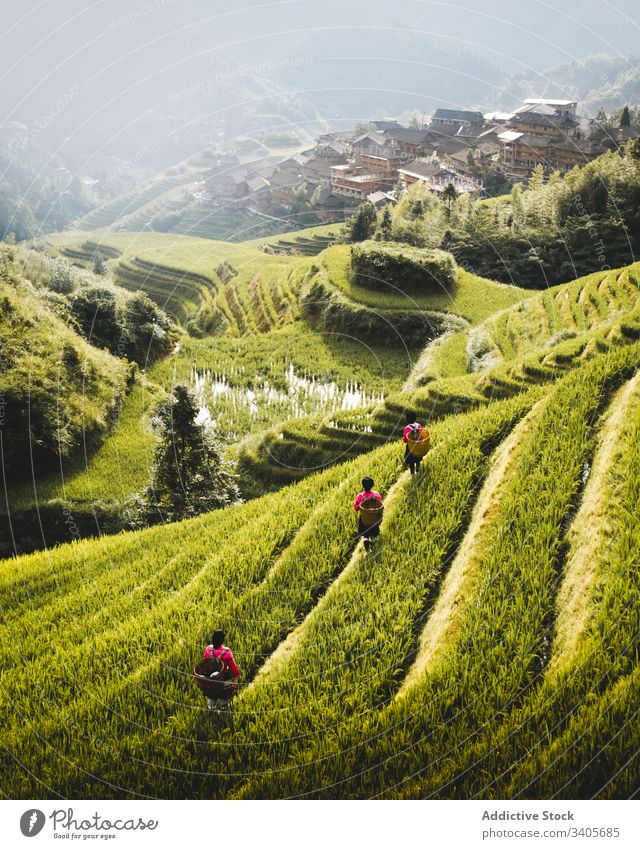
{"points": [[105, 84], [598, 82]]}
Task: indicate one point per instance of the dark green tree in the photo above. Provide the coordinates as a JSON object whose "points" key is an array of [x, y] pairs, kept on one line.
{"points": [[188, 476], [449, 197], [386, 224], [625, 118], [416, 208], [95, 310], [361, 225], [99, 264], [145, 330]]}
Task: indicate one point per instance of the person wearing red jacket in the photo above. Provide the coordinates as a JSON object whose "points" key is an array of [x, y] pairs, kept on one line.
{"points": [[367, 532], [412, 427], [218, 650]]}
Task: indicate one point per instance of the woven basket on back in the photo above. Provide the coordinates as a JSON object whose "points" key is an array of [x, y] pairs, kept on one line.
{"points": [[371, 511], [218, 687], [419, 447]]}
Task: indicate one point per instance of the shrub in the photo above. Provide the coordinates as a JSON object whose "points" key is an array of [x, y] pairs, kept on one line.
{"points": [[384, 265], [145, 330], [99, 265], [61, 277], [328, 310], [94, 308]]}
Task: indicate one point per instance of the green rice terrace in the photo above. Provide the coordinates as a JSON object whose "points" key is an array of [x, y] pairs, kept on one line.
{"points": [[486, 646]]}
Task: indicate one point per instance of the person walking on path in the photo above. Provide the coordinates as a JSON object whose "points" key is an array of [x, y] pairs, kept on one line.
{"points": [[226, 673], [369, 507], [416, 443]]}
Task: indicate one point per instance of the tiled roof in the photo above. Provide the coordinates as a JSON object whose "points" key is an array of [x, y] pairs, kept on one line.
{"points": [[421, 168], [385, 125], [406, 134], [538, 120], [456, 115], [256, 183], [375, 138], [286, 180]]}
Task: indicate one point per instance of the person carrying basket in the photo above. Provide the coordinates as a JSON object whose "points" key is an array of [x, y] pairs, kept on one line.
{"points": [[369, 507], [217, 673], [417, 443]]}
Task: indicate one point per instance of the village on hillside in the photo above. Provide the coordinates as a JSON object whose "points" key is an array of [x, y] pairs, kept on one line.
{"points": [[376, 162]]}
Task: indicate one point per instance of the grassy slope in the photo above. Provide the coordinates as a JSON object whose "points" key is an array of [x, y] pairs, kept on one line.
{"points": [[288, 240], [243, 358], [555, 707], [565, 311], [117, 468], [68, 388], [602, 312], [474, 298], [344, 733]]}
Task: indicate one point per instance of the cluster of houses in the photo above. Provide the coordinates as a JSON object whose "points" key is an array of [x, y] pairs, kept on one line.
{"points": [[344, 169], [548, 133]]}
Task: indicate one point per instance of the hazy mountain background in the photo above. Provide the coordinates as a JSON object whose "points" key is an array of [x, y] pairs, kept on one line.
{"points": [[106, 77], [598, 82]]}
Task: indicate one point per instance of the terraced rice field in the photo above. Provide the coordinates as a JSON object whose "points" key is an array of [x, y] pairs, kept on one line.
{"points": [[439, 665], [486, 647]]}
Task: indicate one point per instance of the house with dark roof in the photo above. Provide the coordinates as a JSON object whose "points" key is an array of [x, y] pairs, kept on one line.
{"points": [[560, 107], [356, 181], [227, 184], [293, 164], [539, 124], [284, 185], [378, 154], [548, 133], [449, 121], [317, 170], [381, 199], [372, 143], [330, 208], [411, 142], [332, 150], [522, 152], [258, 188], [612, 138], [385, 125]]}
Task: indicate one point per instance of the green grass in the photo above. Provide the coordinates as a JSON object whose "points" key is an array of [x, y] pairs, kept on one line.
{"points": [[56, 388], [473, 298], [492, 718], [180, 273], [250, 383], [283, 571], [285, 452], [445, 357], [423, 743], [562, 312], [270, 577], [308, 242], [329, 639], [110, 472]]}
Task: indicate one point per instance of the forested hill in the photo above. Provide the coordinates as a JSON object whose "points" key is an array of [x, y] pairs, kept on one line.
{"points": [[550, 232]]}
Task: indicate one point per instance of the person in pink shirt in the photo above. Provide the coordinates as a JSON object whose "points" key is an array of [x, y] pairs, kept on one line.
{"points": [[367, 532], [231, 672], [412, 427]]}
